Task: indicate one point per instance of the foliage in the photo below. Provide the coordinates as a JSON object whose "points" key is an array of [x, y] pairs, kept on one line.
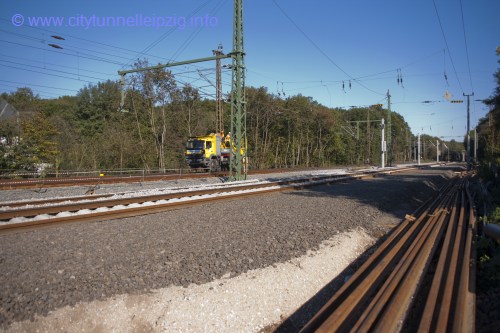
{"points": [[87, 132], [36, 146], [488, 254], [488, 131], [495, 216]]}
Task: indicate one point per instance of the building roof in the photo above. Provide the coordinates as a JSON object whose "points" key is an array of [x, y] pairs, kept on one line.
{"points": [[7, 110]]}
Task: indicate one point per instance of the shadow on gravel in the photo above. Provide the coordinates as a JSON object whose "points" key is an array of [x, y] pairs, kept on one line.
{"points": [[397, 194]]}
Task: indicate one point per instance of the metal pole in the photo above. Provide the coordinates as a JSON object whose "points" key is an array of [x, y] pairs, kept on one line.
{"points": [[414, 149], [475, 144], [369, 153], [468, 128], [382, 144], [219, 109], [437, 151], [418, 148], [389, 130]]}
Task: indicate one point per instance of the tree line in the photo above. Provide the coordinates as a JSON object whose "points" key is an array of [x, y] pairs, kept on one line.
{"points": [[488, 132], [89, 132]]}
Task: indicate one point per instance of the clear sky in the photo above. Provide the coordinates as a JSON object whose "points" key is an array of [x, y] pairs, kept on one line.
{"points": [[341, 53]]}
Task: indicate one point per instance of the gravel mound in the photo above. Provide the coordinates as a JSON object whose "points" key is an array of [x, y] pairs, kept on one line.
{"points": [[50, 268]]}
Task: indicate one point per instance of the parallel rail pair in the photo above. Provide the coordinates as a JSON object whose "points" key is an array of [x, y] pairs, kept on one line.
{"points": [[44, 212]]}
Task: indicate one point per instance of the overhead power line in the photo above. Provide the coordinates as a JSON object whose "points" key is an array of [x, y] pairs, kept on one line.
{"points": [[56, 75], [36, 39], [81, 55], [447, 47], [466, 47], [38, 92], [196, 32], [38, 85], [165, 35], [114, 47], [53, 70], [57, 65], [321, 50]]}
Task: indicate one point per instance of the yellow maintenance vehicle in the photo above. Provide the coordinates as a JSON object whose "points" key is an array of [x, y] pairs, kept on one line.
{"points": [[208, 152]]}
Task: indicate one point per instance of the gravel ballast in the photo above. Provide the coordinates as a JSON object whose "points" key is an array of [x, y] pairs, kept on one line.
{"points": [[141, 260]]}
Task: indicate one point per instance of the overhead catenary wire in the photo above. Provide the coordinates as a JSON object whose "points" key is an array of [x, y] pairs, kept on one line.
{"points": [[196, 32], [82, 55], [38, 85], [368, 77], [322, 82], [447, 46], [38, 92], [467, 54], [101, 44], [466, 46], [66, 44], [321, 50], [49, 74], [165, 35], [53, 70], [86, 56]]}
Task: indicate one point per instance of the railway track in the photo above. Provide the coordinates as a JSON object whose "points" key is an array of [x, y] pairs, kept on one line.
{"points": [[21, 215], [37, 183], [82, 181], [422, 278]]}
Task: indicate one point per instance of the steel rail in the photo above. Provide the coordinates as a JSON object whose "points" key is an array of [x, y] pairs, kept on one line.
{"points": [[238, 191], [95, 180], [393, 316], [464, 320], [72, 207], [405, 271], [455, 283], [159, 207], [362, 283], [98, 180], [382, 292], [49, 206]]}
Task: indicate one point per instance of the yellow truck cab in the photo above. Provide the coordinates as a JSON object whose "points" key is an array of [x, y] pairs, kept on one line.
{"points": [[205, 152]]}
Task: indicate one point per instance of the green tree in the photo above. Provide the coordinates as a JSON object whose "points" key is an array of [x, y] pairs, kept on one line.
{"points": [[158, 92], [95, 104], [488, 131], [37, 144]]}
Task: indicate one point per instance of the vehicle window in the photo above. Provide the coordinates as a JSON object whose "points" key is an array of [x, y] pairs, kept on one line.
{"points": [[195, 144]]}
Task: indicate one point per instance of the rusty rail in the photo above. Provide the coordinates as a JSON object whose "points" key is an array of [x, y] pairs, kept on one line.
{"points": [[387, 287], [95, 215]]}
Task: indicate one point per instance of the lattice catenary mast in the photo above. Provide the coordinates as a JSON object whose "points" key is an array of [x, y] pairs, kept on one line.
{"points": [[237, 169]]}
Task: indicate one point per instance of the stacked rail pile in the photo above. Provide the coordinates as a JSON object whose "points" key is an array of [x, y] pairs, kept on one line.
{"points": [[394, 283]]}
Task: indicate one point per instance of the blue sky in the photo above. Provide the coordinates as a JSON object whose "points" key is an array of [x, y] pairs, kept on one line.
{"points": [[312, 48]]}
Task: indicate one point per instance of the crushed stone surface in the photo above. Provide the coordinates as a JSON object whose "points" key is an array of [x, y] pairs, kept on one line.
{"points": [[246, 303], [129, 271]]}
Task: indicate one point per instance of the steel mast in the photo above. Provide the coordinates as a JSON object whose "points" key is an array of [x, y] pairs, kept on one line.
{"points": [[237, 169]]}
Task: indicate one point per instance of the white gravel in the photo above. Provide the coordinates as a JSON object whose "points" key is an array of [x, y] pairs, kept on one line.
{"points": [[246, 303], [157, 187]]}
